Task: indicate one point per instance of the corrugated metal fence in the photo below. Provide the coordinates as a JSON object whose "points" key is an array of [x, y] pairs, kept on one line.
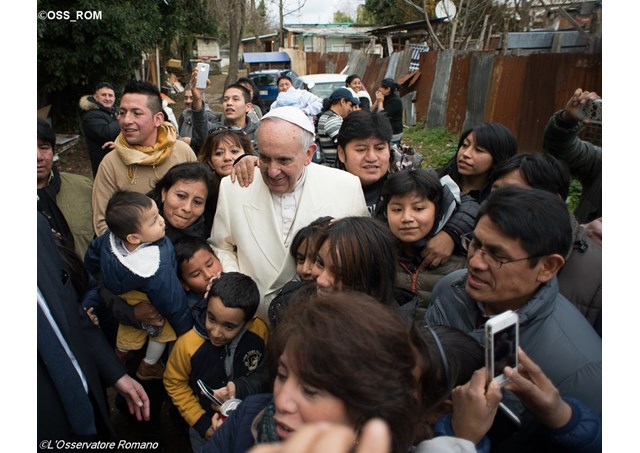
{"points": [[456, 89]]}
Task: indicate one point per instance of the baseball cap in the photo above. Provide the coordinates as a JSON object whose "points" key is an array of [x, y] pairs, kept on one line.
{"points": [[293, 115], [344, 93], [389, 83]]}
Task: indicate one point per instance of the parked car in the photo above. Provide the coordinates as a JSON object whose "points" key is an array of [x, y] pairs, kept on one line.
{"points": [[322, 85], [267, 83]]}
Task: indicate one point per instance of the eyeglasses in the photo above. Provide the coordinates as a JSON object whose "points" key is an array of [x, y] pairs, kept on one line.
{"points": [[471, 245], [220, 129]]}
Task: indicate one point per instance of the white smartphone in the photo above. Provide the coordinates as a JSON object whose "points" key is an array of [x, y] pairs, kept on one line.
{"points": [[203, 75], [502, 338]]}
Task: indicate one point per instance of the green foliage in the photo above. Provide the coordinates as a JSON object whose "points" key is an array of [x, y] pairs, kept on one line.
{"points": [[340, 17], [74, 56], [575, 189], [436, 145], [364, 16], [390, 12], [182, 20], [83, 53], [262, 10]]}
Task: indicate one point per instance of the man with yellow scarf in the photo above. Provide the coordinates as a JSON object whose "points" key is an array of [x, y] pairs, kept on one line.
{"points": [[145, 149]]}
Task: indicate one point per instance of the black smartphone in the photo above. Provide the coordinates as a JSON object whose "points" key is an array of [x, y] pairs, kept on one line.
{"points": [[208, 392]]}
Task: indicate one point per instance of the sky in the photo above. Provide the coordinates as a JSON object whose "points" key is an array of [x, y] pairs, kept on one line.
{"points": [[315, 11]]}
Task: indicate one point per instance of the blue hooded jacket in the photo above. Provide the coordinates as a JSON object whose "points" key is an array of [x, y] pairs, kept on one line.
{"points": [[151, 269]]}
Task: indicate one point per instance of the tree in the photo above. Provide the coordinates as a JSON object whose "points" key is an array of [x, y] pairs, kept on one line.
{"points": [[523, 9], [233, 19], [262, 10], [364, 16], [470, 22], [340, 17], [256, 21], [182, 21], [474, 19], [236, 27], [390, 12], [284, 10], [74, 56]]}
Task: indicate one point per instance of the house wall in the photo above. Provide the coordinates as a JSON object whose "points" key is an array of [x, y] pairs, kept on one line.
{"points": [[261, 45], [458, 89], [318, 43], [298, 60], [208, 48], [333, 42], [519, 91]]}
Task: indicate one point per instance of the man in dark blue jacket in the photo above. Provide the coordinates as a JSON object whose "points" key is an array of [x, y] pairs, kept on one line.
{"points": [[73, 350], [99, 122]]}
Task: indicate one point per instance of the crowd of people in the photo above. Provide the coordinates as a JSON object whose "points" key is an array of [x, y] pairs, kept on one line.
{"points": [[282, 305]]}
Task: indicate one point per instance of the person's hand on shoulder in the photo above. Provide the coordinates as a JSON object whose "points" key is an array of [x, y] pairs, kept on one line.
{"points": [[108, 145], [437, 251], [242, 170]]}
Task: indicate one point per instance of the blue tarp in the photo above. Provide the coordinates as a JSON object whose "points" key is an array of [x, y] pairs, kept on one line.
{"points": [[265, 57]]}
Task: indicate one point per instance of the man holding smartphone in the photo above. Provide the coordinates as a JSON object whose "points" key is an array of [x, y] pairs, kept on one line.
{"points": [[236, 105], [583, 158], [514, 253]]}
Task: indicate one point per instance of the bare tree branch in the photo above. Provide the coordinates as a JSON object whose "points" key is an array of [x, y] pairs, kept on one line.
{"points": [[429, 28], [409, 2], [281, 4], [454, 24], [300, 6], [481, 17], [282, 13]]}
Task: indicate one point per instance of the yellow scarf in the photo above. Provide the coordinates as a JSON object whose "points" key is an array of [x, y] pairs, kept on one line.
{"points": [[150, 156]]}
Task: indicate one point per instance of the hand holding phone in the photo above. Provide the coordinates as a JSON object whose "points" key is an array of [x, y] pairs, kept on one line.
{"points": [[475, 406], [203, 75], [538, 394], [591, 111], [209, 393]]}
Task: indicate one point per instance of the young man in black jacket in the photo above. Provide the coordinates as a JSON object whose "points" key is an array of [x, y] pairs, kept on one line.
{"points": [[99, 122]]}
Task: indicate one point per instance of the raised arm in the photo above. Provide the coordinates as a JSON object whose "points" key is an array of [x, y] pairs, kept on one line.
{"points": [[201, 117], [561, 139]]}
